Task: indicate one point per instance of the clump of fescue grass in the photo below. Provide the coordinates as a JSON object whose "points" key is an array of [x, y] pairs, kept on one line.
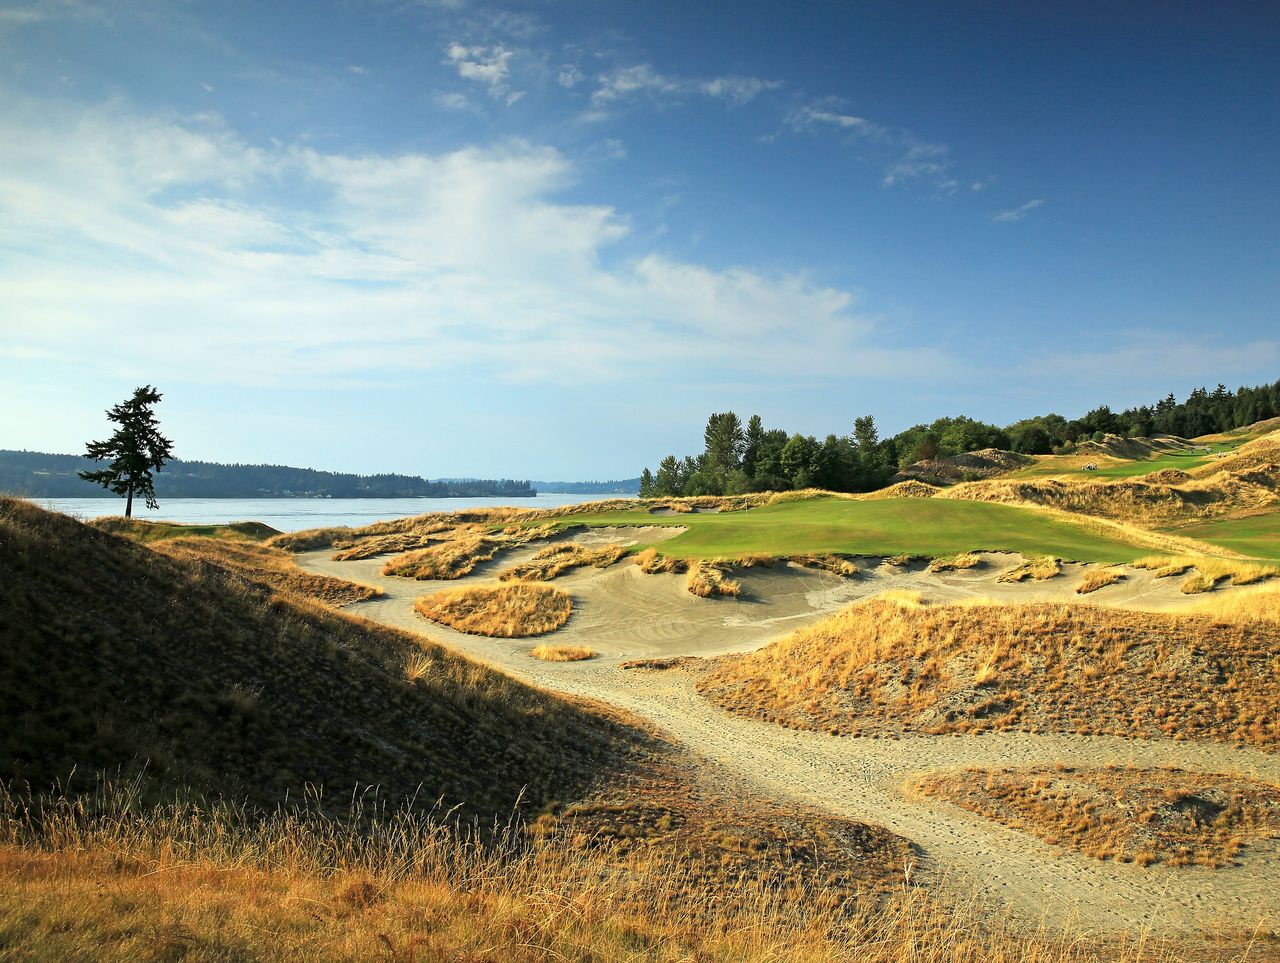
{"points": [[706, 579], [952, 563], [1037, 569], [904, 560], [1141, 816], [558, 559], [835, 564], [1255, 604], [1097, 578], [508, 611], [562, 653], [651, 563], [459, 554], [884, 667], [1213, 571]]}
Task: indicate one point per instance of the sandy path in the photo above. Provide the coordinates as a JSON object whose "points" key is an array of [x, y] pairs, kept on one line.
{"points": [[623, 613]]}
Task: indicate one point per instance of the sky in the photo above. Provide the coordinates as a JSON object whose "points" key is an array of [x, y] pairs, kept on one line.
{"points": [[547, 239]]}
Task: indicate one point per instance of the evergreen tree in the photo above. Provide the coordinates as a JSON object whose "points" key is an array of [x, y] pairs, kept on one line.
{"points": [[646, 484], [136, 449]]}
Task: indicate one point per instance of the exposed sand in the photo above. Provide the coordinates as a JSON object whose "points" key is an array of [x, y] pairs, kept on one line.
{"points": [[622, 613]]}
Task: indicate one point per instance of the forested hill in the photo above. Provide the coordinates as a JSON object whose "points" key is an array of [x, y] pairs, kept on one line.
{"points": [[620, 486], [41, 475]]}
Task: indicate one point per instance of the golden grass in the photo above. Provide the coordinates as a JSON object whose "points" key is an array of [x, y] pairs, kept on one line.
{"points": [[268, 565], [1142, 816], [109, 880], [1096, 578], [903, 561], [1036, 569], [562, 653], [885, 667], [706, 579], [953, 563], [651, 563], [835, 564], [1250, 605], [558, 559], [509, 611]]}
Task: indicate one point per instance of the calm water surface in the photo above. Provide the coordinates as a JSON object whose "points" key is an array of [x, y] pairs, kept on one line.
{"points": [[293, 514]]}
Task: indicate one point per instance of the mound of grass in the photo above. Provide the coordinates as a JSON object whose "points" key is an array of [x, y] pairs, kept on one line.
{"points": [[557, 559], [1036, 569], [706, 579], [146, 532], [271, 566], [511, 611], [844, 567], [651, 563], [117, 657], [1142, 816], [1097, 578], [955, 563], [881, 667], [459, 554], [562, 653]]}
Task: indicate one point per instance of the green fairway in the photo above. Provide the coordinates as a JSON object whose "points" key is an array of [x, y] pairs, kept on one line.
{"points": [[1183, 461], [892, 526], [1256, 535]]}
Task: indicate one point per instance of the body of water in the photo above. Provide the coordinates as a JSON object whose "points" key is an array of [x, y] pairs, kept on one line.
{"points": [[294, 514]]}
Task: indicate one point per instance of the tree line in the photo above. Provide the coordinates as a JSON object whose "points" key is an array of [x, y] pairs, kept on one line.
{"points": [[738, 458], [37, 474]]}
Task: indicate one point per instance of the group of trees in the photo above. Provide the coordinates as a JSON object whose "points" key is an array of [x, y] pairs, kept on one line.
{"points": [[750, 458], [739, 458]]}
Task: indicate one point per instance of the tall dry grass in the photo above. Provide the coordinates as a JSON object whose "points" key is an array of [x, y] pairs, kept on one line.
{"points": [[706, 579], [515, 610], [885, 667], [555, 560], [105, 877]]}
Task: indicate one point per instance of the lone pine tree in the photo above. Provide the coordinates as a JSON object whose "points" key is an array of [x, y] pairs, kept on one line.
{"points": [[136, 449]]}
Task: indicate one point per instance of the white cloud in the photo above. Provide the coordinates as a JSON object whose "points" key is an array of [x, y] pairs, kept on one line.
{"points": [[902, 157], [358, 70], [144, 244], [570, 76], [625, 82], [487, 66], [1016, 213]]}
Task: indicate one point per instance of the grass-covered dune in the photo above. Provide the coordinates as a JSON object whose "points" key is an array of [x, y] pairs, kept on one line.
{"points": [[116, 656], [884, 527], [892, 666]]}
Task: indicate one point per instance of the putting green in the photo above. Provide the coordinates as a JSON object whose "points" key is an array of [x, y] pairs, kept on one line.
{"points": [[891, 526]]}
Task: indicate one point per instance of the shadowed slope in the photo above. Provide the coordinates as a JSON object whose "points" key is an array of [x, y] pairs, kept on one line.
{"points": [[116, 656]]}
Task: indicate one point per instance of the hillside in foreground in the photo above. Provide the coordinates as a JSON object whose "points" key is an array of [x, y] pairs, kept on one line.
{"points": [[117, 656]]}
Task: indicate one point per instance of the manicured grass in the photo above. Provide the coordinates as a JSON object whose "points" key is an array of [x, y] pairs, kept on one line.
{"points": [[887, 527], [1057, 465], [1255, 535]]}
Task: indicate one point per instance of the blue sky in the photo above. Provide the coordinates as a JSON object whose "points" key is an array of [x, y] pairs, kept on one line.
{"points": [[547, 239]]}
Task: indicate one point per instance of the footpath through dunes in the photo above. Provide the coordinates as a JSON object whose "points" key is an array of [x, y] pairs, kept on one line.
{"points": [[117, 656], [869, 778]]}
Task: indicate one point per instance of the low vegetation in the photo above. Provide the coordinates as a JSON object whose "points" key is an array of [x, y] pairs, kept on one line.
{"points": [[835, 564], [1142, 816], [459, 553], [886, 667], [1036, 569], [515, 610], [555, 560], [651, 563], [268, 565], [146, 532], [1096, 578], [706, 579], [956, 563], [562, 653], [1209, 572]]}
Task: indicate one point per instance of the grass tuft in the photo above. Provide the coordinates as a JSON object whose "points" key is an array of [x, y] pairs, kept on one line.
{"points": [[562, 653], [510, 611]]}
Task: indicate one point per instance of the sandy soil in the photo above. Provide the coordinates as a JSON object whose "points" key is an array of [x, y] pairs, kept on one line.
{"points": [[623, 613]]}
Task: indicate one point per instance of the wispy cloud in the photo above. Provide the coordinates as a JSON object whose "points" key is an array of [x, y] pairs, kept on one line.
{"points": [[643, 80], [1016, 213], [488, 66], [290, 265], [903, 158]]}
